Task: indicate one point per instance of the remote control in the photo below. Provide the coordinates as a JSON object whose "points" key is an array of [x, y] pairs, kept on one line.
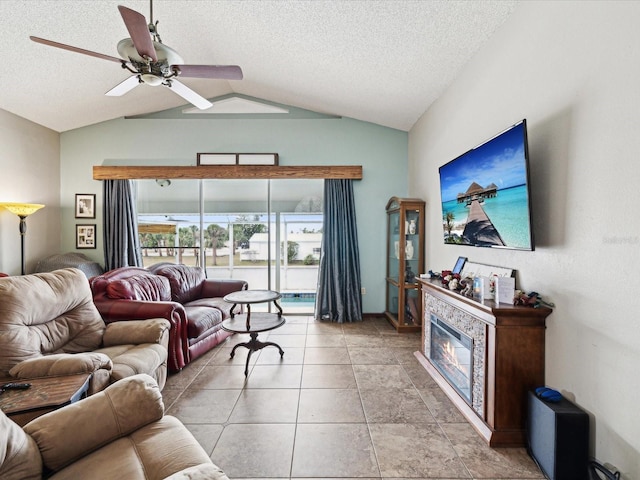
{"points": [[15, 386]]}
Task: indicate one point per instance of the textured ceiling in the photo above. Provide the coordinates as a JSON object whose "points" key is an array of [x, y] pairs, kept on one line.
{"points": [[378, 61]]}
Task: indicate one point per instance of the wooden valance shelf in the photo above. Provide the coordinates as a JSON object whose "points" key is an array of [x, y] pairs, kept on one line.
{"points": [[125, 172]]}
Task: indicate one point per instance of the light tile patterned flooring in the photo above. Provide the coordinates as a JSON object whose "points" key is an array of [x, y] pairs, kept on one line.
{"points": [[347, 401]]}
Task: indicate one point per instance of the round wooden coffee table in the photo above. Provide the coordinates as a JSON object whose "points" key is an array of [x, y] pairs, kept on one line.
{"points": [[255, 323]]}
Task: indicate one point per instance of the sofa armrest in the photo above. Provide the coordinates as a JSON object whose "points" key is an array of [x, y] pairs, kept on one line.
{"points": [[128, 310], [219, 288], [153, 330], [61, 364], [117, 310], [65, 435]]}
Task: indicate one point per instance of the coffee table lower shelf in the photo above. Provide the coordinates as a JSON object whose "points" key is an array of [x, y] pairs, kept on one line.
{"points": [[259, 322]]}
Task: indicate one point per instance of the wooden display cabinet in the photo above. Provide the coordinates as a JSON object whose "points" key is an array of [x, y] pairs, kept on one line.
{"points": [[405, 263]]}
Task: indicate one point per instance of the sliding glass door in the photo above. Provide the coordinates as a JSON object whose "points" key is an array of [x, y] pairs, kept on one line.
{"points": [[267, 232], [297, 207]]}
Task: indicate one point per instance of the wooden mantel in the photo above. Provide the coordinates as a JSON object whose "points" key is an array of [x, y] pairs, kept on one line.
{"points": [[126, 172]]}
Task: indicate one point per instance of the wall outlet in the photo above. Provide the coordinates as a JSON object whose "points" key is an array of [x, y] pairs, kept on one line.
{"points": [[363, 291]]}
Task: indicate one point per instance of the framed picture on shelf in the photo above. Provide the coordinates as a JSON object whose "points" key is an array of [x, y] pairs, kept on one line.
{"points": [[472, 269], [459, 264], [85, 205], [237, 159], [86, 236]]}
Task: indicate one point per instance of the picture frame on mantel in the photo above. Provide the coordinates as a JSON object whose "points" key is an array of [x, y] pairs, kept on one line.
{"points": [[457, 268], [472, 269], [237, 159], [86, 236], [85, 205]]}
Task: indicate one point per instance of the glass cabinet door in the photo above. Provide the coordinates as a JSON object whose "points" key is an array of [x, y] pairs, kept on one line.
{"points": [[412, 244], [393, 248], [405, 262]]}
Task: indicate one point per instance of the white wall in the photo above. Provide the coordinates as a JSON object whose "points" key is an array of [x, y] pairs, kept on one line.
{"points": [[573, 70], [29, 173]]}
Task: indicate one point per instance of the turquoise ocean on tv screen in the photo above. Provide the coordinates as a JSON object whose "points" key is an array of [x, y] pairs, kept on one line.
{"points": [[508, 211]]}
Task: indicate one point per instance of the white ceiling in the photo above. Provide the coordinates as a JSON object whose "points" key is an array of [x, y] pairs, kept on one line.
{"points": [[378, 61]]}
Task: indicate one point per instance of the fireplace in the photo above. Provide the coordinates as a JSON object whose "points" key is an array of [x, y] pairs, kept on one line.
{"points": [[499, 351], [452, 354]]}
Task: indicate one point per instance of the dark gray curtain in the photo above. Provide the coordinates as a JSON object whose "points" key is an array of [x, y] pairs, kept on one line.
{"points": [[338, 297], [121, 242]]}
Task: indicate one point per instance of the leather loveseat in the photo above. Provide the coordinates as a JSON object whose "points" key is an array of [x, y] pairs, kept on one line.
{"points": [[50, 326], [178, 293], [119, 433]]}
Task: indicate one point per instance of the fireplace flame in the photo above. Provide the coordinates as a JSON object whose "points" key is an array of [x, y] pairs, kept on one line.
{"points": [[452, 358]]}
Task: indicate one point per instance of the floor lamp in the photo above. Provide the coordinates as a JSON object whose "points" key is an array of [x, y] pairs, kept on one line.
{"points": [[23, 210]]}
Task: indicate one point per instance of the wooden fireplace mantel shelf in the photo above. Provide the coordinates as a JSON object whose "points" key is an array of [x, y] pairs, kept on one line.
{"points": [[124, 172], [488, 310], [513, 355]]}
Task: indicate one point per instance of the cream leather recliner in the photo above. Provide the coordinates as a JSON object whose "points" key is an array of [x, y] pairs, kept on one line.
{"points": [[117, 434], [50, 326]]}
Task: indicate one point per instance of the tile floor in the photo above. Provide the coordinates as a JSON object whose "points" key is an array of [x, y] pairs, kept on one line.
{"points": [[347, 401]]}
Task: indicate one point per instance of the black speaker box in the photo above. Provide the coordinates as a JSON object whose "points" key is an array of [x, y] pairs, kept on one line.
{"points": [[558, 437]]}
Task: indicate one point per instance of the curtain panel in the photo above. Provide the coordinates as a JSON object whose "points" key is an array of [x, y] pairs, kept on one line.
{"points": [[338, 295], [121, 241]]}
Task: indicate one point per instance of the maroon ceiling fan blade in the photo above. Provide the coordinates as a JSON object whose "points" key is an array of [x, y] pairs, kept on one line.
{"points": [[75, 49], [227, 72], [139, 32]]}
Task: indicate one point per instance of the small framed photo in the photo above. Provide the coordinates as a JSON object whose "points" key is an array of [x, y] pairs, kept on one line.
{"points": [[217, 159], [459, 265], [237, 159], [86, 236], [257, 159], [85, 205]]}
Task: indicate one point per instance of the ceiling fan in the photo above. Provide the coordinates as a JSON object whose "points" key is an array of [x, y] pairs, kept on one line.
{"points": [[151, 62]]}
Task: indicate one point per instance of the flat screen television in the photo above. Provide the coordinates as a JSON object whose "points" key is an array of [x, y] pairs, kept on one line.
{"points": [[485, 194]]}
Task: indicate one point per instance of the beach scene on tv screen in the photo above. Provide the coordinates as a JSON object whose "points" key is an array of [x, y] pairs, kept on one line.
{"points": [[485, 197]]}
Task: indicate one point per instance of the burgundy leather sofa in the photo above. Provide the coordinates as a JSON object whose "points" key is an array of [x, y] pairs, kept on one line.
{"points": [[181, 294]]}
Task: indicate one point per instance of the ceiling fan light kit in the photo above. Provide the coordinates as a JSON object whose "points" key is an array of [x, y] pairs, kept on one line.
{"points": [[153, 63]]}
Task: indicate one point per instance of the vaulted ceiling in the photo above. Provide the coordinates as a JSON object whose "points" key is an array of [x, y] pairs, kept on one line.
{"points": [[383, 62]]}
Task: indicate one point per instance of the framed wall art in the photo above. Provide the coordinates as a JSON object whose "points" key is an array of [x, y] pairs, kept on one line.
{"points": [[85, 205], [86, 236], [237, 159]]}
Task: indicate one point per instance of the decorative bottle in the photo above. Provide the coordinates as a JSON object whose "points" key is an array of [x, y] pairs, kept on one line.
{"points": [[412, 227]]}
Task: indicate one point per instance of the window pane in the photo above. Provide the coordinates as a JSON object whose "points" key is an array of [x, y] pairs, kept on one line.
{"points": [[168, 221], [236, 216], [298, 207]]}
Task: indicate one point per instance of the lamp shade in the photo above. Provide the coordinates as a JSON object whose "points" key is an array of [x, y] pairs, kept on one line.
{"points": [[22, 209]]}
